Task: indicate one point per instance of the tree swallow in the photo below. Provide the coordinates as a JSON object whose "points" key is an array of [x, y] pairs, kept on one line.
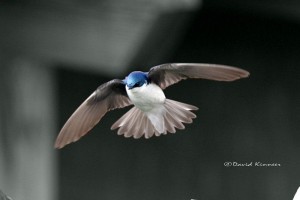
{"points": [[152, 113]]}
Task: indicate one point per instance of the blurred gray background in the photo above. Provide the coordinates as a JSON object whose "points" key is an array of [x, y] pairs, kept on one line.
{"points": [[54, 54]]}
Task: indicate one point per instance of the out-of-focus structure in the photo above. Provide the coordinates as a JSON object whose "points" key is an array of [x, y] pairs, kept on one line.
{"points": [[99, 36]]}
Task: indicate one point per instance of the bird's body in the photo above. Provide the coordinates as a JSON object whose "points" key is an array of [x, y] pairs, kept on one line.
{"points": [[150, 99], [152, 113], [147, 96]]}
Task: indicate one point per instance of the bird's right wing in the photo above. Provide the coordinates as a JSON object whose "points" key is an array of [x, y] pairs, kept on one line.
{"points": [[168, 74], [107, 96]]}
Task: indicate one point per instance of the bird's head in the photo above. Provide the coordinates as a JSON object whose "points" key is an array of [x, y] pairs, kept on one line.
{"points": [[136, 79]]}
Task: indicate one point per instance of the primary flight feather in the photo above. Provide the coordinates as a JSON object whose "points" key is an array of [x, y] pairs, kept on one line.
{"points": [[152, 113]]}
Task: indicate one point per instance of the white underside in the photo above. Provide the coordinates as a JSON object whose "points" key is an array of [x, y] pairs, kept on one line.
{"points": [[146, 97], [150, 100]]}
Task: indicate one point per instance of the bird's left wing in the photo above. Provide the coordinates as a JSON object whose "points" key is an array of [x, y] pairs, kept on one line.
{"points": [[168, 74], [106, 97]]}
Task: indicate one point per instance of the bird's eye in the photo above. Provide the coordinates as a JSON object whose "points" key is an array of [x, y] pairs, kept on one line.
{"points": [[138, 84]]}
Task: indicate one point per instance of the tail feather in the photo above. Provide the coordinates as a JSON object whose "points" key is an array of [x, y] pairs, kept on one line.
{"points": [[179, 115], [125, 122], [148, 129], [134, 123], [128, 124], [182, 110], [172, 114], [170, 123]]}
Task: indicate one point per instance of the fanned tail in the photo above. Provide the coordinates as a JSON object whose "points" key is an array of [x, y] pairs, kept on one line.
{"points": [[176, 114], [136, 123]]}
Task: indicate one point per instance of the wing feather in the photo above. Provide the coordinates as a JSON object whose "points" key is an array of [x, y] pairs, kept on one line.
{"points": [[168, 74], [108, 96]]}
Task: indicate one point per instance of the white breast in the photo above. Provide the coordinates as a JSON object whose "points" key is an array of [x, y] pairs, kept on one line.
{"points": [[146, 97]]}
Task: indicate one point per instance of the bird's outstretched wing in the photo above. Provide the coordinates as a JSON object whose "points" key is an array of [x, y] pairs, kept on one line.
{"points": [[106, 97], [168, 74]]}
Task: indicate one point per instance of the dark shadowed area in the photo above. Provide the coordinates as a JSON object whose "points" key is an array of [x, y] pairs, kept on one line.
{"points": [[240, 127]]}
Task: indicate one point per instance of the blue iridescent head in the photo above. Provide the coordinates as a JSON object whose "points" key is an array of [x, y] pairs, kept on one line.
{"points": [[136, 79]]}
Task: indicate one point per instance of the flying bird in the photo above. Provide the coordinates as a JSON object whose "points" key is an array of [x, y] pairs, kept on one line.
{"points": [[152, 113]]}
